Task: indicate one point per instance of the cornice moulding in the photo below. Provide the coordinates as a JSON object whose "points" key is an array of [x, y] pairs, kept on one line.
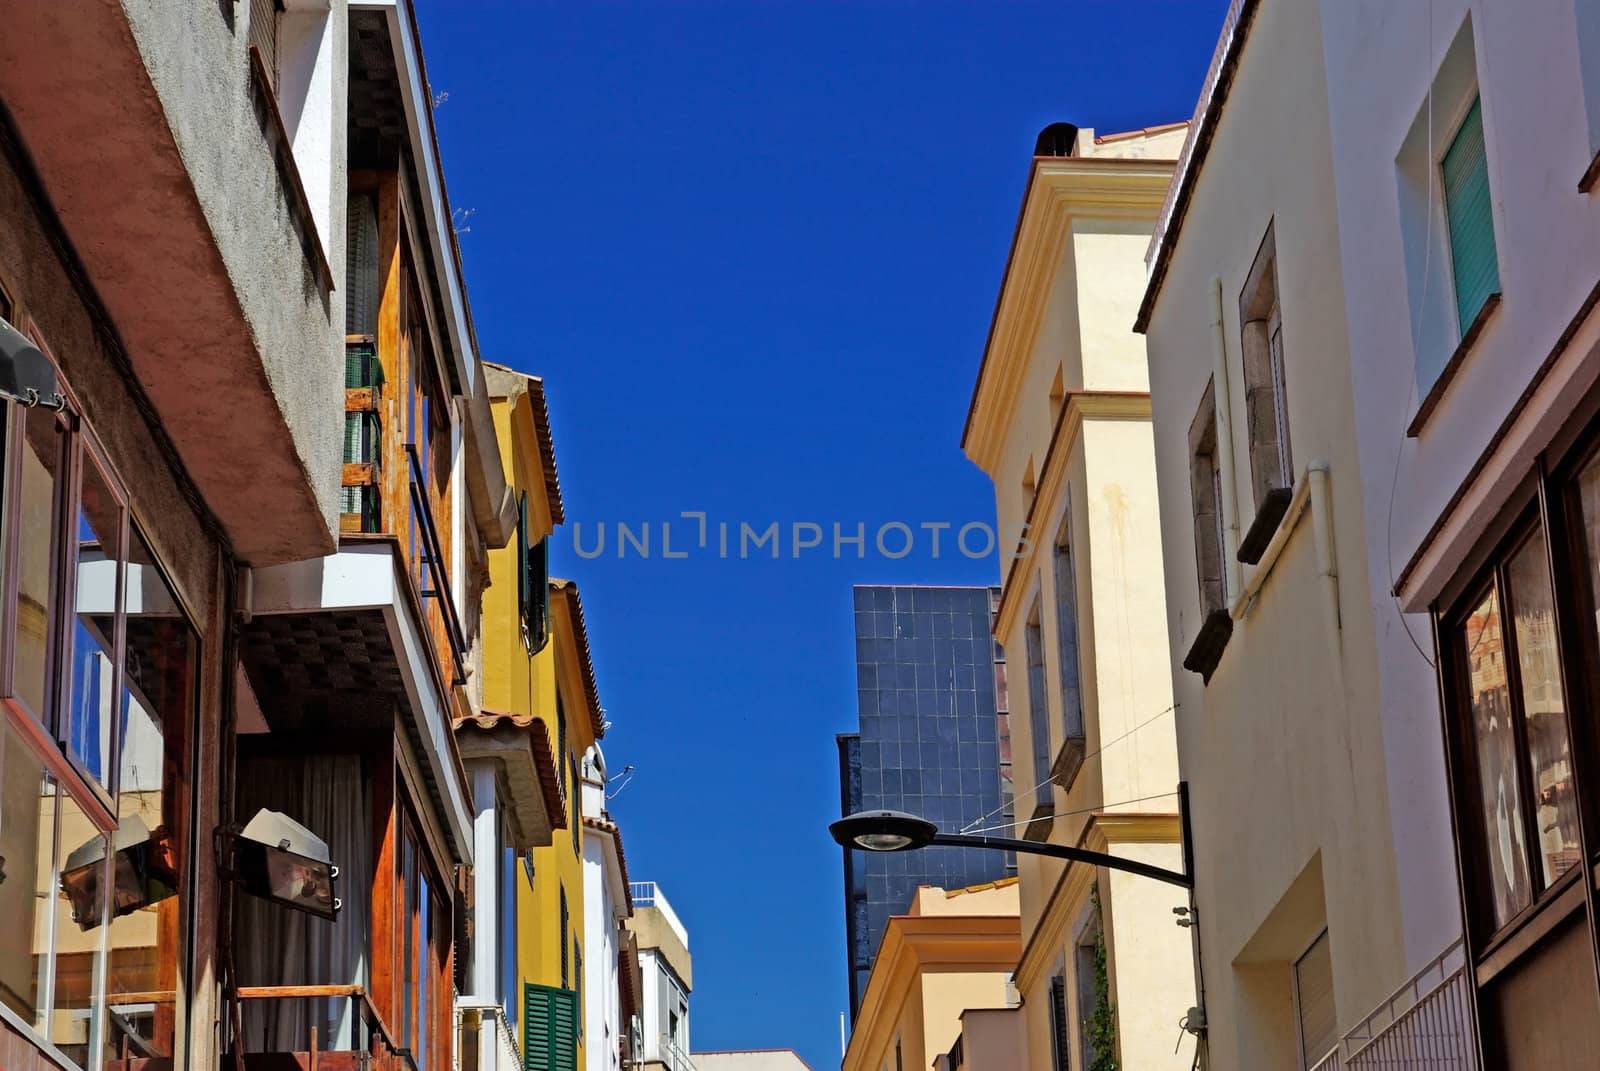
{"points": [[1059, 191]]}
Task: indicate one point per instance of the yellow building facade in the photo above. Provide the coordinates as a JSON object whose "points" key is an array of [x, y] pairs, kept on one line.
{"points": [[536, 665]]}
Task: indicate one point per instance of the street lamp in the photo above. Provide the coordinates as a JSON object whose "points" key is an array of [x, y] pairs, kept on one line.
{"points": [[896, 831]]}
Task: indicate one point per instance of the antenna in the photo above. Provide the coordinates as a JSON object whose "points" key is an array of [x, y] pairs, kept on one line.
{"points": [[623, 777]]}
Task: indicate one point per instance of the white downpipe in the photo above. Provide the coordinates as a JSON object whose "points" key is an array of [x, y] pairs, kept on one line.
{"points": [[1223, 399], [1322, 536]]}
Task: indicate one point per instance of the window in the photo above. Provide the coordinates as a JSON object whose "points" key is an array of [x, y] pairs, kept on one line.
{"points": [[566, 977], [577, 806], [506, 929], [550, 1029], [1446, 229], [94, 630], [577, 980], [1065, 769], [1464, 172], [1316, 1018], [1038, 708], [264, 35], [1525, 813], [1083, 977], [1205, 485], [533, 582], [424, 944], [1265, 396], [1060, 1031]]}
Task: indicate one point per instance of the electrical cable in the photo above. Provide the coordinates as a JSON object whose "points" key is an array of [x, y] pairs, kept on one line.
{"points": [[1032, 791], [1416, 342]]}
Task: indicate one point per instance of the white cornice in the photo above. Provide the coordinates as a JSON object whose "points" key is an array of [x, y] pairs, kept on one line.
{"points": [[1059, 191]]}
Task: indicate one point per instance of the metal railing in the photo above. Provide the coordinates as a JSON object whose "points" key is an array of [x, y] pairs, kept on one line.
{"points": [[438, 574], [492, 1012], [1425, 1025], [674, 1057], [646, 894]]}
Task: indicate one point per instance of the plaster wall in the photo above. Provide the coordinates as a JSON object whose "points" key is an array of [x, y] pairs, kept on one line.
{"points": [[1530, 71], [1284, 749]]}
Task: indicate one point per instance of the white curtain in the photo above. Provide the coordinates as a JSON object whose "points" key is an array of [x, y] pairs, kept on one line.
{"points": [[274, 945]]}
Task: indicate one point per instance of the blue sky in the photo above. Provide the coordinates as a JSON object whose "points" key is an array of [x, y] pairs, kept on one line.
{"points": [[754, 248]]}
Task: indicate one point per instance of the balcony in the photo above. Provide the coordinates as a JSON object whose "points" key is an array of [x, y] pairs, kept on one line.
{"points": [[358, 1039], [1425, 1025]]}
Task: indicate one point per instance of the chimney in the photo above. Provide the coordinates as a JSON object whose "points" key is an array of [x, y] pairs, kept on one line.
{"points": [[1057, 139]]}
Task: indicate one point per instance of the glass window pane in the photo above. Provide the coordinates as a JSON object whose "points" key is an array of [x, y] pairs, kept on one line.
{"points": [[1544, 709], [153, 793], [36, 548], [87, 722], [82, 848], [1505, 849], [27, 843]]}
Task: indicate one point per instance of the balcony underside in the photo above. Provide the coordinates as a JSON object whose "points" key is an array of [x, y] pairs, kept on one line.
{"points": [[337, 644], [149, 148]]}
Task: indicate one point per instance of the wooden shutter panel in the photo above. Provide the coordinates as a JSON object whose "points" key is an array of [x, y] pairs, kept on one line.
{"points": [[1471, 219], [1059, 1032], [550, 1029]]}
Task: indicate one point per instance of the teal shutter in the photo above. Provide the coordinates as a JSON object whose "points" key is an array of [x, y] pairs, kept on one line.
{"points": [[550, 1031], [1471, 219]]}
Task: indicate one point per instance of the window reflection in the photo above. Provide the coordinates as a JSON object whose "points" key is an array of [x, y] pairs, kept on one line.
{"points": [[1544, 709], [1484, 650], [155, 709], [87, 719], [36, 547], [27, 843]]}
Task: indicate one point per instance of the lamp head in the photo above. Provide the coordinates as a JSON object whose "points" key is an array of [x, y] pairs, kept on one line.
{"points": [[883, 831], [281, 860]]}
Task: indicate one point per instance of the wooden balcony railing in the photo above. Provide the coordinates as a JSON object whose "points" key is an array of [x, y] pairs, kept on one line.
{"points": [[371, 1038]]}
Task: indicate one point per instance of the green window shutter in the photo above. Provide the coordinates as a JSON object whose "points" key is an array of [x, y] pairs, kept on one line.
{"points": [[1471, 218], [550, 1029]]}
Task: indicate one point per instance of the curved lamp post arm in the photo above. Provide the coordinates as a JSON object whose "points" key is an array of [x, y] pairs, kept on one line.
{"points": [[1062, 851]]}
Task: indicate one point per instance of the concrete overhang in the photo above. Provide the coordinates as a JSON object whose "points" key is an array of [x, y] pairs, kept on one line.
{"points": [[367, 577], [144, 130], [520, 746]]}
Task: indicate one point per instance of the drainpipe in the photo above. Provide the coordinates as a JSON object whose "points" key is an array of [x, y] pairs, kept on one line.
{"points": [[1223, 399], [1322, 536]]}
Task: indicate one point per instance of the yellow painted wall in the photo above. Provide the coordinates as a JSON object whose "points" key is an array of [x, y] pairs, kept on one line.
{"points": [[515, 681]]}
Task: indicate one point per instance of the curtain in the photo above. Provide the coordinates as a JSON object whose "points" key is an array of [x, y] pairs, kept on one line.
{"points": [[275, 945]]}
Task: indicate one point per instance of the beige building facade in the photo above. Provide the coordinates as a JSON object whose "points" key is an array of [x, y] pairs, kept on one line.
{"points": [[952, 952], [1324, 889], [1061, 422]]}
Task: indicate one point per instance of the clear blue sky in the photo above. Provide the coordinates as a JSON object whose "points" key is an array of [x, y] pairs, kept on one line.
{"points": [[753, 249]]}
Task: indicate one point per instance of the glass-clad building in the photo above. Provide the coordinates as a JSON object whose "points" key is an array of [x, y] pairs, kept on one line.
{"points": [[932, 741]]}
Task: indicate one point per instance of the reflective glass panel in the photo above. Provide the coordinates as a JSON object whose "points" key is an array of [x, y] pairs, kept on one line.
{"points": [[1544, 709], [1506, 849], [27, 843], [153, 795], [88, 725], [37, 547]]}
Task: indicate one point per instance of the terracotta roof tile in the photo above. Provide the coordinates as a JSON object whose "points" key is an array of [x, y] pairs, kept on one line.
{"points": [[544, 753]]}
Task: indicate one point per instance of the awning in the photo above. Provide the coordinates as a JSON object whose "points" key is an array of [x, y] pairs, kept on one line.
{"points": [[26, 374]]}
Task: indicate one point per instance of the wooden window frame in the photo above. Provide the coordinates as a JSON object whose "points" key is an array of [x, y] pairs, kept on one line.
{"points": [[1547, 502]]}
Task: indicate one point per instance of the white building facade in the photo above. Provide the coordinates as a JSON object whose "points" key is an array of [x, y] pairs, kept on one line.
{"points": [[608, 904]]}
